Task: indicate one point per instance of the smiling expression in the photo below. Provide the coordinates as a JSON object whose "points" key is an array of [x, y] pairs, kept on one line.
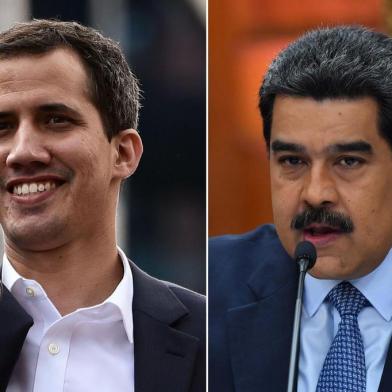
{"points": [[328, 158], [56, 164]]}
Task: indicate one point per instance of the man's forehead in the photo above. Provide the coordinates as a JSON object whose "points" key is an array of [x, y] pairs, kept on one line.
{"points": [[306, 120], [294, 101], [55, 60], [59, 68]]}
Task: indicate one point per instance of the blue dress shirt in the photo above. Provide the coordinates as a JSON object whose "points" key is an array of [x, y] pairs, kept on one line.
{"points": [[320, 320]]}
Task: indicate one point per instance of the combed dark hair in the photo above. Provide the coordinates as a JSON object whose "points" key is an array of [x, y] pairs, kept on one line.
{"points": [[113, 88], [341, 62]]}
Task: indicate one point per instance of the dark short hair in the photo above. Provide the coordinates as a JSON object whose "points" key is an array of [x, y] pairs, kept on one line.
{"points": [[113, 88], [341, 62]]}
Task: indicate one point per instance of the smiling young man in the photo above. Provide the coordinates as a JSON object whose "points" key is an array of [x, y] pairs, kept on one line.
{"points": [[326, 104], [77, 315]]}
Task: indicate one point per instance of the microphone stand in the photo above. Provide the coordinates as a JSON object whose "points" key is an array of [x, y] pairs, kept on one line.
{"points": [[293, 369]]}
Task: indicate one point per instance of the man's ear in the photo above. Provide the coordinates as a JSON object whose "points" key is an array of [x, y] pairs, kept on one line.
{"points": [[128, 151]]}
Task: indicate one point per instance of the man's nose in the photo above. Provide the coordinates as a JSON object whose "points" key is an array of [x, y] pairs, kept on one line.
{"points": [[28, 147], [320, 187]]}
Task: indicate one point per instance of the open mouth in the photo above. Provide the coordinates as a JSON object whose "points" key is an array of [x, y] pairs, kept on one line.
{"points": [[321, 230], [321, 235], [29, 188]]}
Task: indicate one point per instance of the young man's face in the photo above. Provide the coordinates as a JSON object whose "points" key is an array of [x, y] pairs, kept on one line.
{"points": [[56, 165], [329, 154]]}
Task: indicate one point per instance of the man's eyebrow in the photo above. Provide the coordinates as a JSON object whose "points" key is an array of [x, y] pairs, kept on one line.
{"points": [[58, 107], [357, 146], [47, 108], [280, 145]]}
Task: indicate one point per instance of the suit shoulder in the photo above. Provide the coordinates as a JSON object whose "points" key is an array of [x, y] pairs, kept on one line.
{"points": [[181, 308], [187, 295], [236, 261], [243, 250], [258, 237], [256, 233], [195, 302]]}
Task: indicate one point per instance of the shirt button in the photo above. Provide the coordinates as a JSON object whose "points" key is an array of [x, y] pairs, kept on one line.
{"points": [[30, 292], [54, 348]]}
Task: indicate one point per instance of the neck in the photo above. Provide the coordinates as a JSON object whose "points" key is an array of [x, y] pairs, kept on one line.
{"points": [[88, 271]]}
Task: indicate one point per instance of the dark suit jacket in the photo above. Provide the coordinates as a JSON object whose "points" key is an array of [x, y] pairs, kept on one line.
{"points": [[252, 290], [169, 336]]}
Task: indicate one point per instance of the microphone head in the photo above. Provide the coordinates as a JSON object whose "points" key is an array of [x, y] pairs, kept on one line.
{"points": [[306, 250]]}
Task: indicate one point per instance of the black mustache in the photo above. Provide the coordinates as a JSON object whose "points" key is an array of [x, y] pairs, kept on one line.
{"points": [[323, 216]]}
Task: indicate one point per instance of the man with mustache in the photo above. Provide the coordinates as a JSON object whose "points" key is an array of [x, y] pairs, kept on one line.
{"points": [[326, 103], [76, 314]]}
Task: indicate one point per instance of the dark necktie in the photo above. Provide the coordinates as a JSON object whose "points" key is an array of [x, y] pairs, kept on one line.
{"points": [[344, 367]]}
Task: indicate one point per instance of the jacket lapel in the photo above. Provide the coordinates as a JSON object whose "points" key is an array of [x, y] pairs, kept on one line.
{"points": [[164, 356], [14, 326], [260, 332]]}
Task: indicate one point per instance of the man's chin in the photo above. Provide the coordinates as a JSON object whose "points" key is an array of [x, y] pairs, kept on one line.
{"points": [[333, 268], [323, 275], [32, 236]]}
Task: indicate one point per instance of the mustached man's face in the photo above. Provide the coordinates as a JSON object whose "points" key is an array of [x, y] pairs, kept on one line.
{"points": [[331, 180]]}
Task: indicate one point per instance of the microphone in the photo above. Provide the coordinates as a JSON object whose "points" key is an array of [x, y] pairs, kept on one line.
{"points": [[305, 255]]}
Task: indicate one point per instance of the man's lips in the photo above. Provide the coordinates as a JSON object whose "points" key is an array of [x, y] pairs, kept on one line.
{"points": [[321, 235], [320, 229], [17, 182], [33, 189]]}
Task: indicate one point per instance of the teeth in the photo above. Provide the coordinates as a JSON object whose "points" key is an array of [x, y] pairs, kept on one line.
{"points": [[33, 187]]}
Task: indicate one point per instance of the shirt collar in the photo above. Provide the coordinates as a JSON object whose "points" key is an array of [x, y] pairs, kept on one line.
{"points": [[375, 286], [9, 275], [121, 297]]}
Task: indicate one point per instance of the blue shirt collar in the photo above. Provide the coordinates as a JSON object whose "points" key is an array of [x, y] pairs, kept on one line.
{"points": [[376, 287]]}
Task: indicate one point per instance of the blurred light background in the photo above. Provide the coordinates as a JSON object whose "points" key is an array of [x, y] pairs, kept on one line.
{"points": [[161, 220], [244, 37]]}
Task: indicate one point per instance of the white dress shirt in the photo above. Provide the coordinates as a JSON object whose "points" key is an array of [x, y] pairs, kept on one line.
{"points": [[90, 349], [320, 321]]}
